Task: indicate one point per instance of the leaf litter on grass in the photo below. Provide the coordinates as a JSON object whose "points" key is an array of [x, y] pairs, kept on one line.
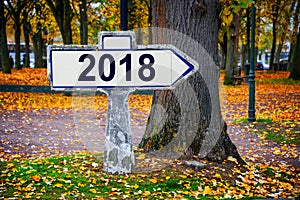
{"points": [[79, 176]]}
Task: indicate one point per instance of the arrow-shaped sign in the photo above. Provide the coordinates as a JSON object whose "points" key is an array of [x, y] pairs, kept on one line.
{"points": [[137, 68]]}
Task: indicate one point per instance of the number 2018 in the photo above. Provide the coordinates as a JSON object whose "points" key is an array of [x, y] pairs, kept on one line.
{"points": [[112, 67]]}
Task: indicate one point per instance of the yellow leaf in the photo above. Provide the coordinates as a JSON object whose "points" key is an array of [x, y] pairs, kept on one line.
{"points": [[81, 185], [226, 12], [141, 156], [153, 180], [14, 170], [59, 185], [182, 176], [9, 165], [142, 175], [93, 191], [146, 193], [230, 158], [277, 152], [228, 19], [36, 178], [207, 190], [135, 186], [218, 175]]}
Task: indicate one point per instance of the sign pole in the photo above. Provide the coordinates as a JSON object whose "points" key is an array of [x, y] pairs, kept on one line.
{"points": [[124, 15], [119, 155], [251, 109]]}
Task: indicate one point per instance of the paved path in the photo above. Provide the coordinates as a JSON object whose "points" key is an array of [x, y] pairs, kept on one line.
{"points": [[53, 132]]}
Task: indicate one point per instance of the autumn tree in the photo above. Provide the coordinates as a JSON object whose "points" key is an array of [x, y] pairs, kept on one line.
{"points": [[4, 54], [26, 32], [230, 15], [200, 21], [63, 14], [16, 9], [37, 29]]}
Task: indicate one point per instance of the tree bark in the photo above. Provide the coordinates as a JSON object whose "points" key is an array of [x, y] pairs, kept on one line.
{"points": [[37, 41], [232, 50], [295, 69], [275, 10], [26, 30], [191, 100], [278, 52], [63, 15], [83, 22], [38, 51], [4, 54], [17, 41], [294, 32], [248, 25]]}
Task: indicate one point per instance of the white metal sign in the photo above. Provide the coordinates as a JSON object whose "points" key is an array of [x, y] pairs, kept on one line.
{"points": [[141, 68]]}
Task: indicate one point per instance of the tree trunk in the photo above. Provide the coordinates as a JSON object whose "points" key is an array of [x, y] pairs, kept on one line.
{"points": [[38, 49], [244, 56], [180, 120], [275, 10], [4, 54], [17, 42], [294, 32], [248, 25], [232, 50], [278, 52], [37, 41], [228, 80], [295, 69], [83, 22], [26, 30], [63, 15]]}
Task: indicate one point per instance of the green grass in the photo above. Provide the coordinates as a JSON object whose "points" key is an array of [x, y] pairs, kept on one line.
{"points": [[75, 177], [78, 177], [285, 81], [245, 119], [284, 132], [281, 138]]}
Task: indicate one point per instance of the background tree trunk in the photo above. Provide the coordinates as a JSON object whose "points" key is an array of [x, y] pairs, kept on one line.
{"points": [[199, 21], [38, 49], [248, 30], [17, 42], [83, 22], [295, 69], [275, 10], [63, 15], [37, 40], [26, 30], [278, 52], [4, 54], [232, 50], [294, 32]]}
